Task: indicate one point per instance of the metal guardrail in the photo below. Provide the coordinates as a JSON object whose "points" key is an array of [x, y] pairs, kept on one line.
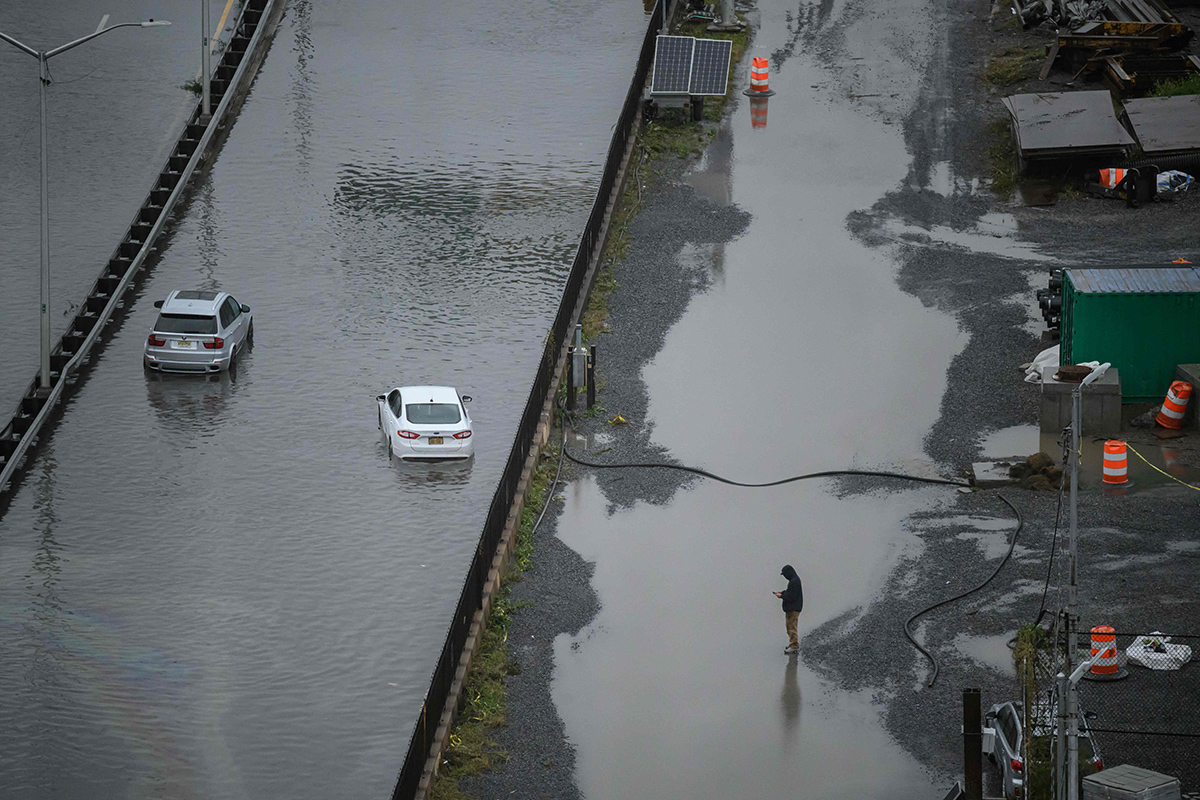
{"points": [[33, 411], [471, 597]]}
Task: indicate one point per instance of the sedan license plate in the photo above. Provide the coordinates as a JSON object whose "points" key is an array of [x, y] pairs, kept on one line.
{"points": [[184, 344], [435, 440]]}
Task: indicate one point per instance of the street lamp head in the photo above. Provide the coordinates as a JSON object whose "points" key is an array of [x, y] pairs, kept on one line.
{"points": [[154, 23]]}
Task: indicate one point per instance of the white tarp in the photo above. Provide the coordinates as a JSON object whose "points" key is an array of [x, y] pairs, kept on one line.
{"points": [[1156, 652]]}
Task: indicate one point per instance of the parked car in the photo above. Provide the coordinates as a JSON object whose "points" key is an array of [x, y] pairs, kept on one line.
{"points": [[426, 423], [198, 331], [1004, 743]]}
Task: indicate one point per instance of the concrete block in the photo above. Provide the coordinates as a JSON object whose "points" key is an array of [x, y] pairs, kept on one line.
{"points": [[1189, 373], [1101, 404]]}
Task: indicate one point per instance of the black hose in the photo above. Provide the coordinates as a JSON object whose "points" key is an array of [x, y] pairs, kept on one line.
{"points": [[833, 473], [908, 623], [553, 484]]}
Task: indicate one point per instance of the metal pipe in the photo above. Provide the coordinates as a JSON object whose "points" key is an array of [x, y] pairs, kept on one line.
{"points": [[972, 744], [591, 378], [205, 65], [43, 80], [1060, 766]]}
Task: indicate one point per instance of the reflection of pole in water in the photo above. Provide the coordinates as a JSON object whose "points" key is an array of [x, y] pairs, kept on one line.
{"points": [[44, 602], [789, 698], [758, 113]]}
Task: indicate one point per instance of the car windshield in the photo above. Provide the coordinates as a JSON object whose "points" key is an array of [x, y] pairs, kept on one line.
{"points": [[432, 413], [185, 323]]}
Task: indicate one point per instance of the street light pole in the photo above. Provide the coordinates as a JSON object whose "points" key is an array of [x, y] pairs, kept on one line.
{"points": [[44, 56], [205, 65]]}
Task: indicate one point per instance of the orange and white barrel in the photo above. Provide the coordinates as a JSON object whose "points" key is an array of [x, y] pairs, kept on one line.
{"points": [[1109, 178], [759, 85], [1104, 651], [758, 113], [1171, 414], [1116, 462]]}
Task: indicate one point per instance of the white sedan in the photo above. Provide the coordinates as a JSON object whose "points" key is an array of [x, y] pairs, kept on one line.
{"points": [[426, 423]]}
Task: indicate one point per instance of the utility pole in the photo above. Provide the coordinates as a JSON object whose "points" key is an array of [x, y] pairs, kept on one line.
{"points": [[205, 65], [44, 56], [1067, 696]]}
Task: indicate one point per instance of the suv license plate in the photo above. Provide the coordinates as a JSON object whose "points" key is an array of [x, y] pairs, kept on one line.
{"points": [[435, 440], [185, 344]]}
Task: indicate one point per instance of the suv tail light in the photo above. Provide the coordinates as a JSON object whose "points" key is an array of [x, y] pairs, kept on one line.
{"points": [[155, 341], [1015, 764], [1099, 764], [216, 344], [463, 435], [408, 435]]}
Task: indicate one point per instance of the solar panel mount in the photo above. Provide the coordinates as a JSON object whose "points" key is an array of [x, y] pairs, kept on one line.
{"points": [[710, 67], [684, 65], [672, 65]]}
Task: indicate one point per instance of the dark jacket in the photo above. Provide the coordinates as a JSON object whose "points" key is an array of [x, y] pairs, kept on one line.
{"points": [[793, 595]]}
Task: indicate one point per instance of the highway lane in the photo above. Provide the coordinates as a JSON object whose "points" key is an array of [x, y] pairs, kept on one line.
{"points": [[225, 589]]}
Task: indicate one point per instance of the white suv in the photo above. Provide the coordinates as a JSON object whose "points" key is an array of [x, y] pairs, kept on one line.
{"points": [[198, 332]]}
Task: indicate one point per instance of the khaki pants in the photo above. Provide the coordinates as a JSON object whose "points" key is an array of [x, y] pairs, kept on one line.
{"points": [[793, 618]]}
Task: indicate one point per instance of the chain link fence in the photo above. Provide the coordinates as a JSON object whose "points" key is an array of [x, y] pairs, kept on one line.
{"points": [[1138, 703]]}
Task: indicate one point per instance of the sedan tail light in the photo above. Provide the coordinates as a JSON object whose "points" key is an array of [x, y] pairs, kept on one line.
{"points": [[155, 341], [408, 435], [463, 435], [1015, 764], [216, 344]]}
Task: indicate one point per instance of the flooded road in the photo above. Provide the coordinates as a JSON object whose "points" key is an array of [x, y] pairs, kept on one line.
{"points": [[224, 589]]}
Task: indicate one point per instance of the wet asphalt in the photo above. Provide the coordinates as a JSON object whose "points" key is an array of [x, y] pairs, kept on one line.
{"points": [[962, 253]]}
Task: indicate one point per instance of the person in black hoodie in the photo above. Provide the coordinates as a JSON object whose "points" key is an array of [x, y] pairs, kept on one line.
{"points": [[793, 602]]}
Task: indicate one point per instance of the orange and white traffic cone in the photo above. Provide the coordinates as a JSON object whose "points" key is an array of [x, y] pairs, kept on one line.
{"points": [[1116, 462], [1173, 408], [1104, 655], [759, 86]]}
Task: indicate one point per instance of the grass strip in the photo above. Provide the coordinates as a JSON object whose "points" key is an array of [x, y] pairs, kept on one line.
{"points": [[472, 751]]}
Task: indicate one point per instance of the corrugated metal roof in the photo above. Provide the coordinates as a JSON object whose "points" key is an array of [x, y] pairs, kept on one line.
{"points": [[1128, 281]]}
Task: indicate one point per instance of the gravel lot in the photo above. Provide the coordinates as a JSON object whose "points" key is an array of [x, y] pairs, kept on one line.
{"points": [[1138, 554]]}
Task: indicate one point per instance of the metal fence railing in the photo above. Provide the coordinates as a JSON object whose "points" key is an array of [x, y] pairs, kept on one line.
{"points": [[471, 598], [1139, 703], [1150, 717]]}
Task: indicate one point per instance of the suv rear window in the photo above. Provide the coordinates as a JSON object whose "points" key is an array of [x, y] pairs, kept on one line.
{"points": [[185, 323], [432, 413]]}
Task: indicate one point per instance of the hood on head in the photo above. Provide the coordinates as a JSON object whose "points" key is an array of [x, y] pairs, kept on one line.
{"points": [[788, 572]]}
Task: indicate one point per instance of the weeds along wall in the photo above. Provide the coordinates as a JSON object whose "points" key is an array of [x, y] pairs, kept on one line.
{"points": [[471, 598]]}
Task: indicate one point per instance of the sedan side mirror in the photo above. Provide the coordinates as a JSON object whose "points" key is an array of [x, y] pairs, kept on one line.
{"points": [[245, 308], [158, 303], [381, 398], [466, 398]]}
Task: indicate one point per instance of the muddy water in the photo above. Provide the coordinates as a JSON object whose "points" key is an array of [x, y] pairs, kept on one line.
{"points": [[802, 355], [224, 589]]}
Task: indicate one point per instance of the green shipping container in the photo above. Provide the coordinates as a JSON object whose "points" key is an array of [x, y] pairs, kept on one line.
{"points": [[1144, 320]]}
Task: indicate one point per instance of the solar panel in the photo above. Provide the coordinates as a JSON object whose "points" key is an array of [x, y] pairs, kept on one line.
{"points": [[672, 65], [710, 67]]}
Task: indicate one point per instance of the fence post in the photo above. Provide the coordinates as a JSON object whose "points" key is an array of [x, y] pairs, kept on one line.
{"points": [[570, 379], [591, 378], [972, 744]]}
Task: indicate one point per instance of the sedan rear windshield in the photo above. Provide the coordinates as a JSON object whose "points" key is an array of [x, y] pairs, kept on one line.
{"points": [[185, 323], [432, 413]]}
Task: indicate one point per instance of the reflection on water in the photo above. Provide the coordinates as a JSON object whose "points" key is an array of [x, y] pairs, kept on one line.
{"points": [[790, 700]]}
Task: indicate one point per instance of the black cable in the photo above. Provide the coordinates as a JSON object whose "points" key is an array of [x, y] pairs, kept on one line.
{"points": [[908, 623], [1053, 543], [833, 473], [553, 484]]}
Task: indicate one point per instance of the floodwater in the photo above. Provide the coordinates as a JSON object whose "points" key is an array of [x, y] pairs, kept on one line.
{"points": [[805, 349], [224, 589]]}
